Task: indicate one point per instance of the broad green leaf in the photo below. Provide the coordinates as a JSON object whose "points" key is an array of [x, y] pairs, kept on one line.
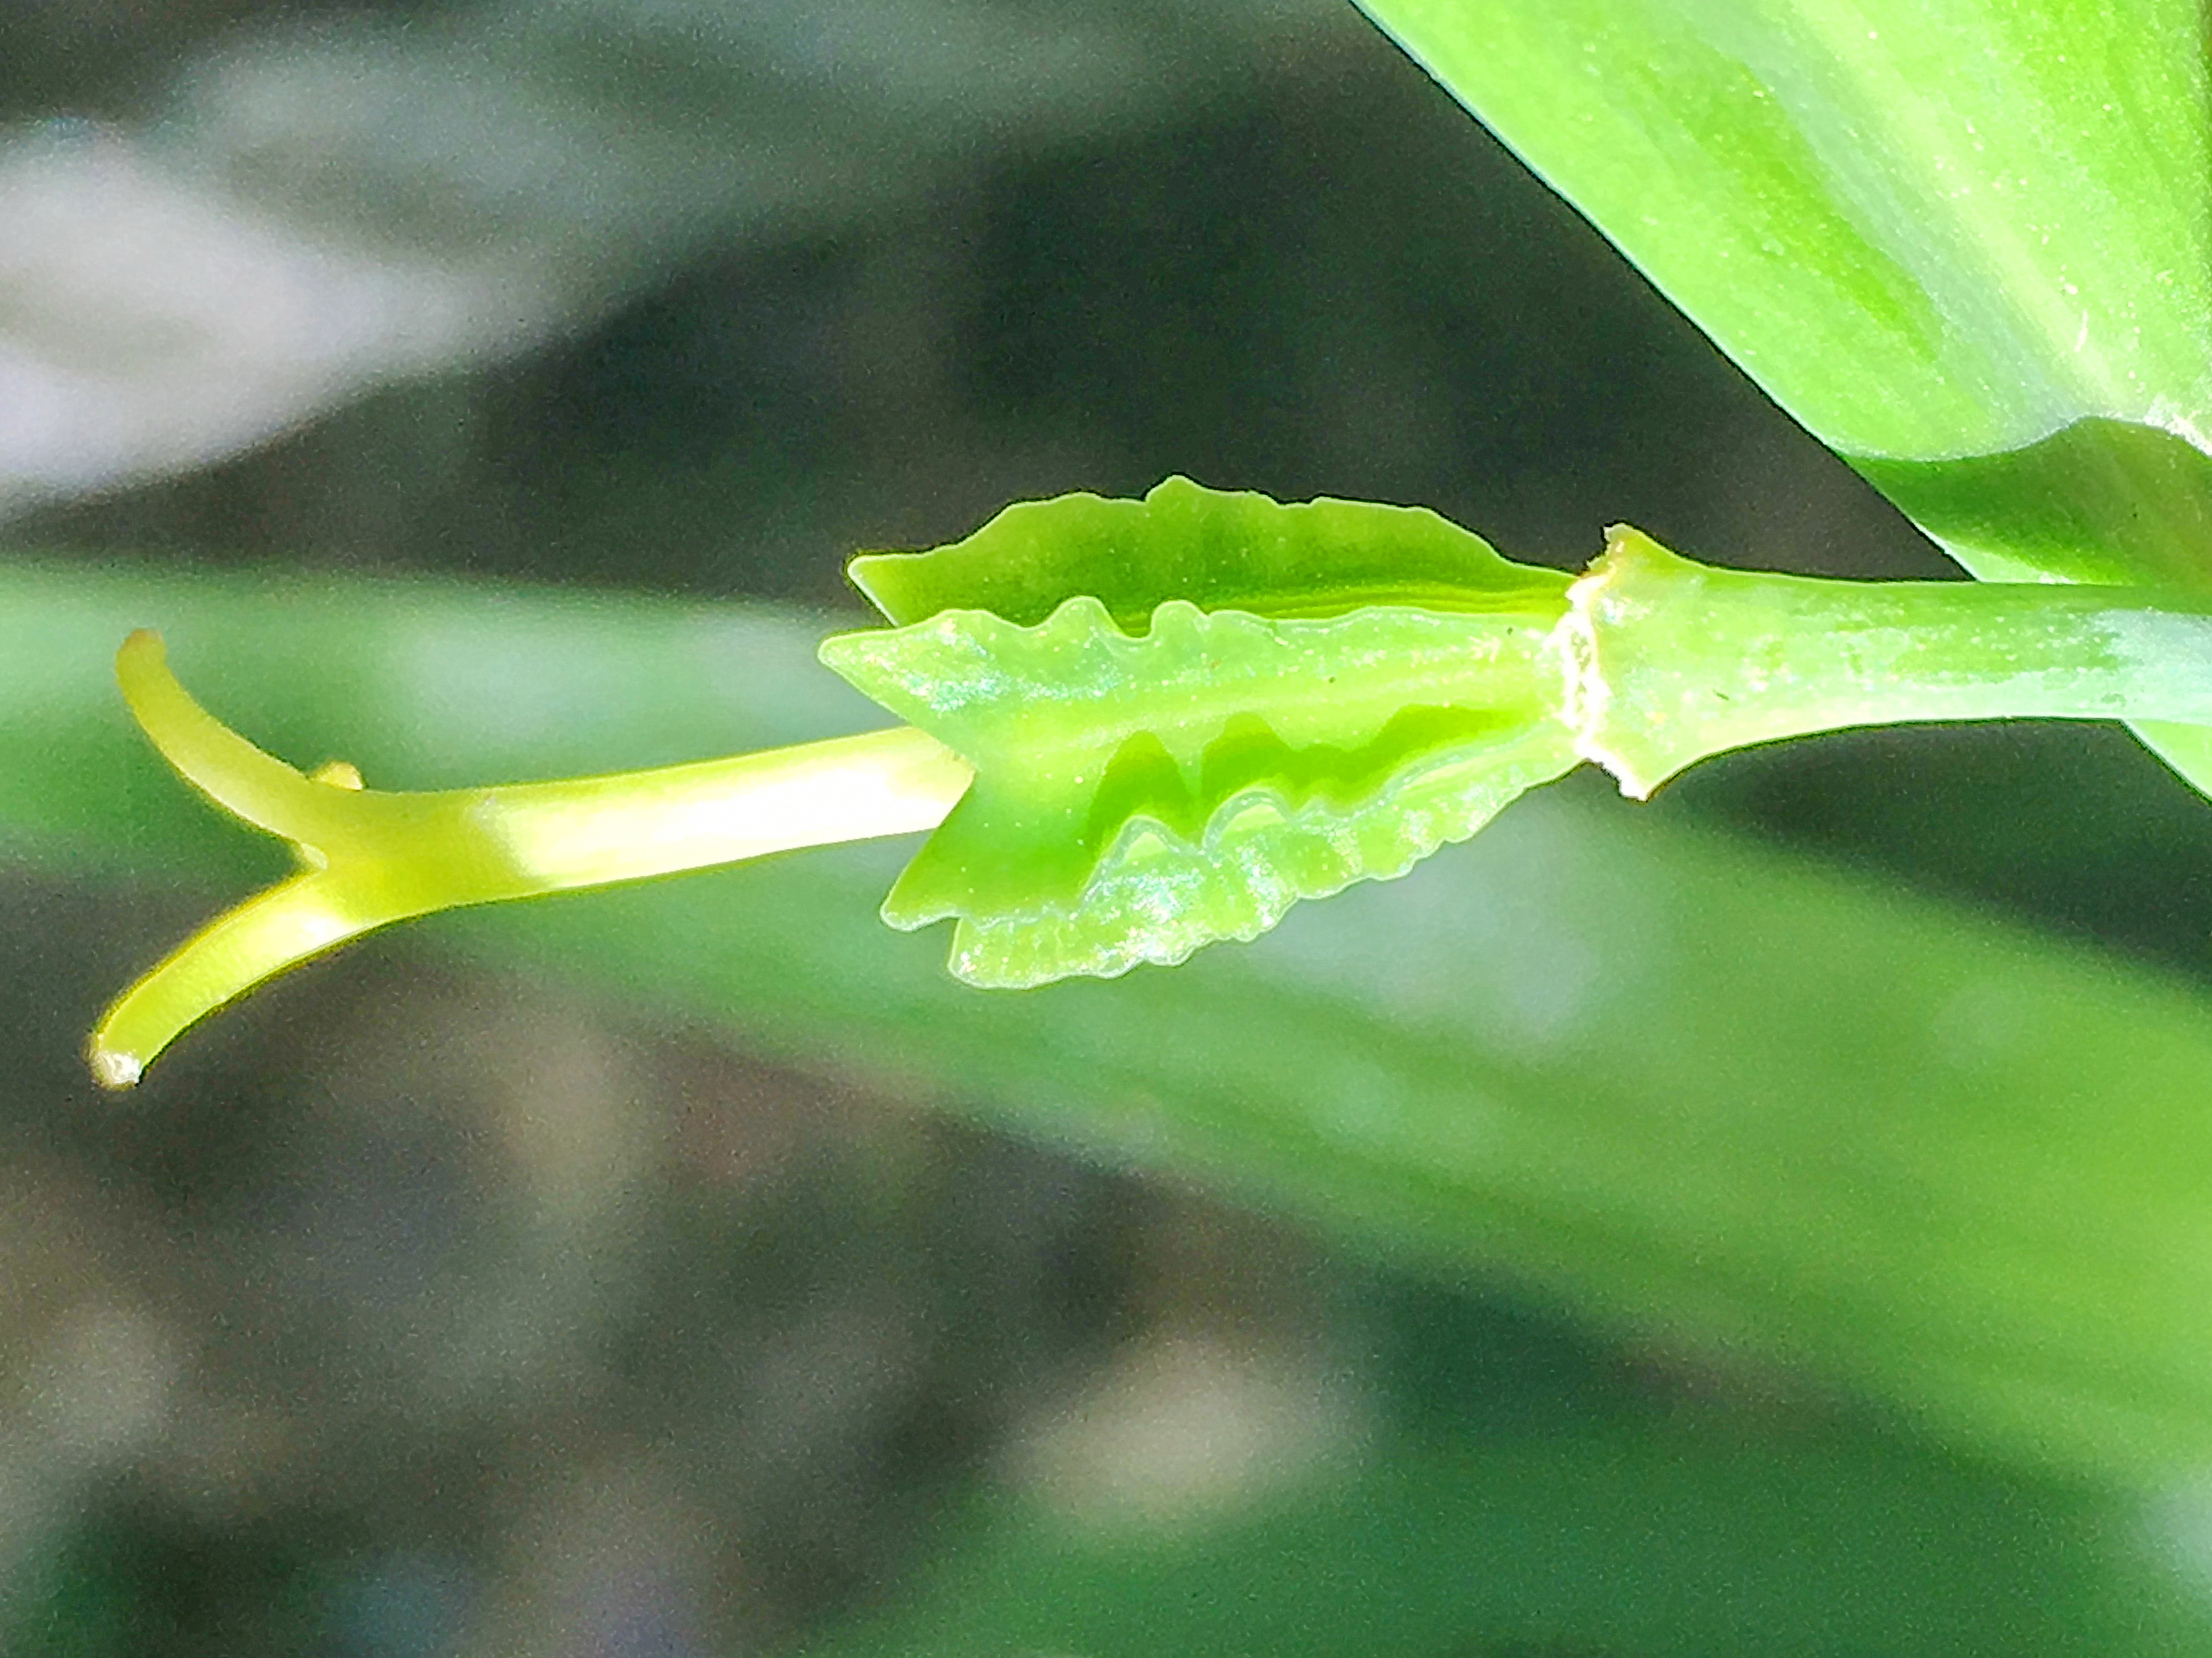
{"points": [[1678, 1084], [1968, 243], [1137, 797]]}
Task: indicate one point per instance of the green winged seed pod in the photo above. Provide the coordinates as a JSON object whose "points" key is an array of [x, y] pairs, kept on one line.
{"points": [[1140, 726], [1185, 750]]}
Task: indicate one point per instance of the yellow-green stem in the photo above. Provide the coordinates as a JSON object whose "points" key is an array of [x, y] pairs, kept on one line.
{"points": [[370, 858]]}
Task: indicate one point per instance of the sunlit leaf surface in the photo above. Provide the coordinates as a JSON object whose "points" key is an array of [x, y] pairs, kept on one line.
{"points": [[1930, 230], [1219, 549]]}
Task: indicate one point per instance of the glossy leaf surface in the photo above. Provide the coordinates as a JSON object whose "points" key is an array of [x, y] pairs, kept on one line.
{"points": [[1930, 228]]}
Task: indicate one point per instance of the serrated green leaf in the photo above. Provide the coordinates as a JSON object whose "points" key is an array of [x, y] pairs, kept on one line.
{"points": [[1219, 549], [1139, 796]]}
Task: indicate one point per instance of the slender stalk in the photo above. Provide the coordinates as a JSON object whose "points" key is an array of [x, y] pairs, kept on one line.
{"points": [[371, 857], [1668, 662]]}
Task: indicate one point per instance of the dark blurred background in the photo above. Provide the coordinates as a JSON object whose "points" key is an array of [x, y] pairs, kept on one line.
{"points": [[353, 1334]]}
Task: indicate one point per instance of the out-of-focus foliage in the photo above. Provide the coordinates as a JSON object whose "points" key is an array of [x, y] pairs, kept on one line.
{"points": [[428, 1308], [1608, 1537], [1497, 1060], [1492, 1062], [323, 205]]}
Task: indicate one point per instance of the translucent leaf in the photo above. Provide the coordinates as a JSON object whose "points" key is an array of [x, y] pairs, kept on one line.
{"points": [[1139, 794]]}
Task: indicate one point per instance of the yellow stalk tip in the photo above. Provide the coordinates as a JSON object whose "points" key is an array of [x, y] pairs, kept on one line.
{"points": [[113, 1069]]}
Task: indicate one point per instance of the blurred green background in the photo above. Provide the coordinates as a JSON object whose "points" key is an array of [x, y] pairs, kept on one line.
{"points": [[1768, 1220]]}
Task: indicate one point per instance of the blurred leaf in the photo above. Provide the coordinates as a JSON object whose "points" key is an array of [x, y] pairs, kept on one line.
{"points": [[327, 205], [1679, 1084], [1609, 1538]]}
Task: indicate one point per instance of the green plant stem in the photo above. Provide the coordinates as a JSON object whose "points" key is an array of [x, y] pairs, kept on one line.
{"points": [[1669, 662], [1657, 662], [371, 857]]}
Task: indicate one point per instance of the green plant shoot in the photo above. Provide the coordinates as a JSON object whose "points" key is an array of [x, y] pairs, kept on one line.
{"points": [[1137, 727], [1968, 245]]}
